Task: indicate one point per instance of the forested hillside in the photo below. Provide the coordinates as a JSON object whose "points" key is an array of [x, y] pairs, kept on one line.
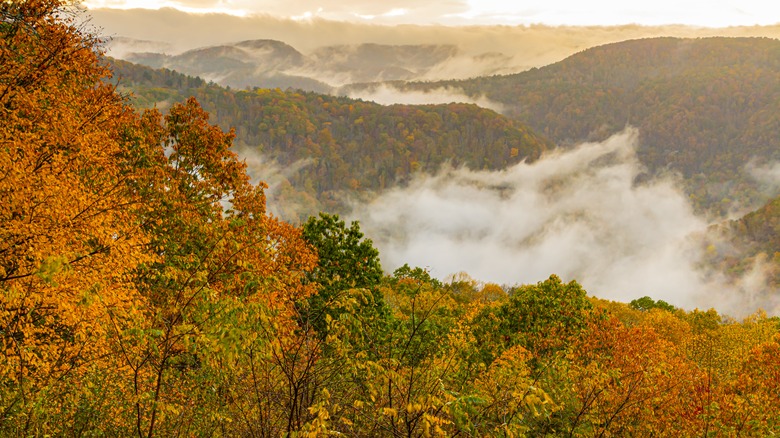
{"points": [[346, 146], [246, 64], [704, 107], [145, 291]]}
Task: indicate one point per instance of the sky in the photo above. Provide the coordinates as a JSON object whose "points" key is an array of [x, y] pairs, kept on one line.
{"points": [[706, 13]]}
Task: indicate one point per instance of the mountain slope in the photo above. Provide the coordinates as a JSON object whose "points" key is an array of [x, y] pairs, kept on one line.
{"points": [[704, 107], [748, 247], [331, 148], [267, 63]]}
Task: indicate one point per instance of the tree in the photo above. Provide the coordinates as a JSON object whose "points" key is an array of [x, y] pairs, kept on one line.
{"points": [[345, 261], [224, 284], [68, 232], [139, 270], [647, 303], [543, 318], [628, 381]]}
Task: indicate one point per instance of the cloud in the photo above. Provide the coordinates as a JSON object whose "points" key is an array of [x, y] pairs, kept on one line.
{"points": [[120, 47], [578, 214], [388, 95], [262, 168]]}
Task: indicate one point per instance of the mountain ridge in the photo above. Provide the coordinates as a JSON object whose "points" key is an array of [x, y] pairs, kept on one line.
{"points": [[266, 63], [705, 107]]}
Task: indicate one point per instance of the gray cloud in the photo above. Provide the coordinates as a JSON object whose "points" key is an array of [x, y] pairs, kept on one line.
{"points": [[577, 214]]}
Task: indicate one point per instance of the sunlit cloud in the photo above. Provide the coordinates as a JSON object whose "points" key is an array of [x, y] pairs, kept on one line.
{"points": [[217, 7], [706, 13], [308, 15], [396, 12]]}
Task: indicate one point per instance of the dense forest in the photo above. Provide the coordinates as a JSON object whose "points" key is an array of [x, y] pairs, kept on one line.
{"points": [[705, 108], [350, 147], [145, 291]]}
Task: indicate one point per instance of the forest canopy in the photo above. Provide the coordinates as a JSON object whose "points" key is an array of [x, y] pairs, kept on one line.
{"points": [[145, 291]]}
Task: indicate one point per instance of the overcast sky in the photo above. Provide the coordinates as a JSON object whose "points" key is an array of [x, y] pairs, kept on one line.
{"points": [[711, 13]]}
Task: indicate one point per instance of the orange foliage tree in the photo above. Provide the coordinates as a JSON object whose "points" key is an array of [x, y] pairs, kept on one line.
{"points": [[137, 262], [67, 227], [627, 381]]}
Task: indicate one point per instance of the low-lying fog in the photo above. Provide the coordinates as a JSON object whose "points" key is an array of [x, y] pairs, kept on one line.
{"points": [[389, 95], [578, 214]]}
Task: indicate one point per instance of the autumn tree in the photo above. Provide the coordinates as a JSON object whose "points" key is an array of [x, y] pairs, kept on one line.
{"points": [[68, 232], [137, 262], [647, 303], [543, 318], [756, 391], [224, 284], [628, 381]]}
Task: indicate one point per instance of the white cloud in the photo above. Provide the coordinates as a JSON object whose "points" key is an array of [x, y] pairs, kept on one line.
{"points": [[768, 175], [388, 95]]}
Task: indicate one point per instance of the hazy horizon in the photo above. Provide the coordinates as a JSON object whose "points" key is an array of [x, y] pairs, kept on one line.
{"points": [[185, 31]]}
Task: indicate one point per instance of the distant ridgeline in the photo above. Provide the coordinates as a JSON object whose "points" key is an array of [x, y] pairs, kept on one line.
{"points": [[344, 147], [265, 63]]}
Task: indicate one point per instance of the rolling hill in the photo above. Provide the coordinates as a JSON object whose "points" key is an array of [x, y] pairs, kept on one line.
{"points": [[318, 151], [267, 63]]}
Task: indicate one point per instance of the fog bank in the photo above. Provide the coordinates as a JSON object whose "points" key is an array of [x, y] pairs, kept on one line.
{"points": [[577, 214], [388, 95]]}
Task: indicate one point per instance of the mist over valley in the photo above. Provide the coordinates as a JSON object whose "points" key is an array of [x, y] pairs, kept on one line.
{"points": [[580, 213], [702, 116]]}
